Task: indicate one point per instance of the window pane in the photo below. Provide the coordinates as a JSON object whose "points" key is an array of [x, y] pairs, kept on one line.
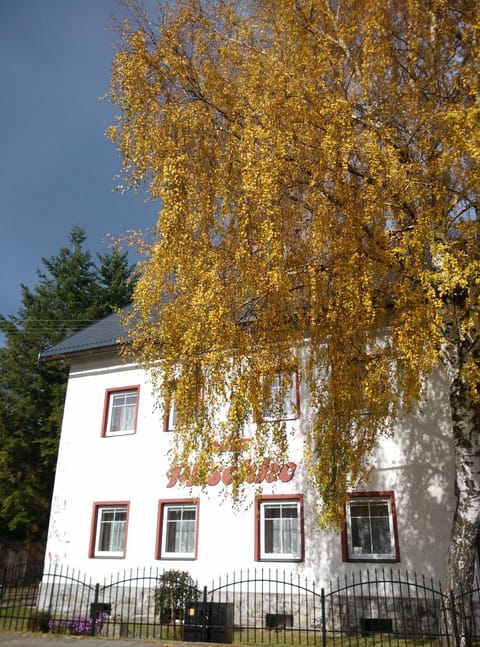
{"points": [[370, 528], [171, 546], [361, 536], [379, 509], [284, 405], [180, 529], [290, 400], [123, 407], [290, 536], [281, 532], [269, 540], [129, 411], [272, 512], [359, 509], [381, 542], [111, 529], [172, 416], [290, 511]]}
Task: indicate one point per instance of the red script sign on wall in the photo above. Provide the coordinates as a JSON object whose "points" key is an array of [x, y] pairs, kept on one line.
{"points": [[268, 471]]}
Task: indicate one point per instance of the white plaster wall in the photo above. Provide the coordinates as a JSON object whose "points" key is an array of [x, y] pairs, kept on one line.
{"points": [[416, 463]]}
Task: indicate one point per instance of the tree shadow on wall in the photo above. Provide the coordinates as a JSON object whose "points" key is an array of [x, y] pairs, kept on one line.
{"points": [[417, 463]]}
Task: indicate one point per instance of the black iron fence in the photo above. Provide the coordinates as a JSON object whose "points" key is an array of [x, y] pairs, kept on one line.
{"points": [[250, 607]]}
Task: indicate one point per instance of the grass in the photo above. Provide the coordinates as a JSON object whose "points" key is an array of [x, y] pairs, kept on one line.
{"points": [[11, 621], [24, 618]]}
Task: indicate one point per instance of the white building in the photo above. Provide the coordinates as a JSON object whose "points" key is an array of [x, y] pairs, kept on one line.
{"points": [[115, 506]]}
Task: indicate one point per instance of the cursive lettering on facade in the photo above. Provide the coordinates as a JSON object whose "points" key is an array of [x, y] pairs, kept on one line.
{"points": [[268, 472]]}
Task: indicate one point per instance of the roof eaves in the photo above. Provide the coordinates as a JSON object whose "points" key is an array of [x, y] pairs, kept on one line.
{"points": [[72, 354]]}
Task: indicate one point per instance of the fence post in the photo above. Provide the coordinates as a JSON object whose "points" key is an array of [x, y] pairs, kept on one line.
{"points": [[204, 615], [324, 620], [94, 611]]}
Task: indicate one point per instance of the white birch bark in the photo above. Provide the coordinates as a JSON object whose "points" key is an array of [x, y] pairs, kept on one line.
{"points": [[460, 568]]}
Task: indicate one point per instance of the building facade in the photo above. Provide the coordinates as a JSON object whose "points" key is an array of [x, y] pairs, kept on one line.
{"points": [[116, 504]]}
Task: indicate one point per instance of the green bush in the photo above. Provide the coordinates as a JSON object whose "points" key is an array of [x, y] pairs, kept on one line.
{"points": [[173, 590]]}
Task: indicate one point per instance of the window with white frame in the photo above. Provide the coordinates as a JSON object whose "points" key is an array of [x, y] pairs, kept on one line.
{"points": [[280, 529], [178, 529], [121, 408], [370, 532], [284, 397], [110, 530]]}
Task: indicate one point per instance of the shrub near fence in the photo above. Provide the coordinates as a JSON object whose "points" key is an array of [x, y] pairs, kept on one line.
{"points": [[250, 607]]}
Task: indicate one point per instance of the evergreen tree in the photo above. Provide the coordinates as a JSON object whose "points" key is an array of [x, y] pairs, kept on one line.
{"points": [[116, 279], [71, 293]]}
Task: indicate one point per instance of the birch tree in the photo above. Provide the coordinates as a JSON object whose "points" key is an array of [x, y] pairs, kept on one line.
{"points": [[318, 168]]}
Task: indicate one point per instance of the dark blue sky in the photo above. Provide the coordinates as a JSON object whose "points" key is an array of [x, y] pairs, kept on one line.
{"points": [[57, 169]]}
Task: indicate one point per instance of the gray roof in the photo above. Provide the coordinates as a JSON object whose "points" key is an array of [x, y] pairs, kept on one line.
{"points": [[101, 336]]}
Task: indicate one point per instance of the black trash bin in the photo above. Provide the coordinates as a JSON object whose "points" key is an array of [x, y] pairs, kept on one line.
{"points": [[208, 622]]}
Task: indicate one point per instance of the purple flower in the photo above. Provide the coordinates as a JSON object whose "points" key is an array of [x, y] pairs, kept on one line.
{"points": [[78, 626]]}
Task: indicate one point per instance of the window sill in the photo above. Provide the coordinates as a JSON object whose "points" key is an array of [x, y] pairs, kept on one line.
{"points": [[280, 559], [376, 560], [168, 558]]}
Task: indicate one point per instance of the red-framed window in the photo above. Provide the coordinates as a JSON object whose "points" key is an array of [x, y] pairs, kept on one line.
{"points": [[177, 532], [120, 411], [284, 398], [369, 530], [108, 537], [279, 528]]}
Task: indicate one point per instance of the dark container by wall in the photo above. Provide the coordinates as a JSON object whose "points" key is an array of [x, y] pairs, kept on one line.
{"points": [[208, 622]]}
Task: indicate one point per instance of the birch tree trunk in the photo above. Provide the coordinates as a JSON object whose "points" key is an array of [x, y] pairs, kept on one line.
{"points": [[460, 568]]}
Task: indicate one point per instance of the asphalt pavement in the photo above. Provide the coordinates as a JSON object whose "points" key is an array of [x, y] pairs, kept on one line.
{"points": [[11, 639]]}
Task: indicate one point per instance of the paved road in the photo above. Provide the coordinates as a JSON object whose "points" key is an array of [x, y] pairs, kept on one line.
{"points": [[49, 640], [8, 639]]}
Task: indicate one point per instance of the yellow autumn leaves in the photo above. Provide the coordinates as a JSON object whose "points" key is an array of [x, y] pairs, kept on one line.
{"points": [[314, 160]]}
